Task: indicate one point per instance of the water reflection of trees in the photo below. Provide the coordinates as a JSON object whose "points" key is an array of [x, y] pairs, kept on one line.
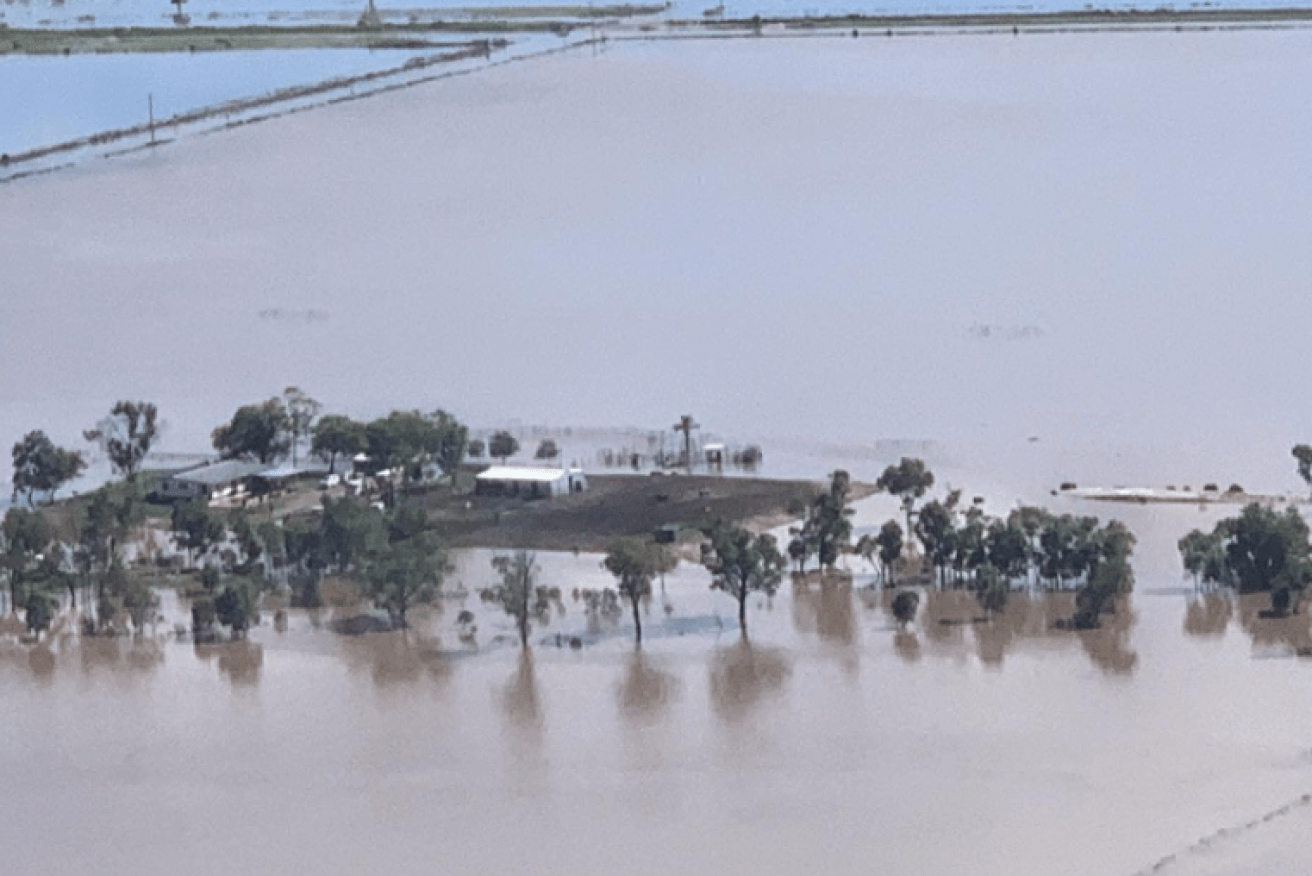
{"points": [[396, 658], [644, 692], [521, 702], [953, 625], [744, 675], [825, 609], [240, 661], [1207, 615], [1271, 631]]}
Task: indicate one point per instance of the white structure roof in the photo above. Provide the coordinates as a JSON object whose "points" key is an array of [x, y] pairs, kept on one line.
{"points": [[218, 473], [522, 474]]}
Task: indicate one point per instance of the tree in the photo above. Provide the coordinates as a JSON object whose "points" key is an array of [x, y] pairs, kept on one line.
{"points": [[502, 446], [1203, 555], [685, 425], [800, 550], [828, 528], [39, 611], [27, 536], [336, 435], [477, 448], [195, 527], [405, 573], [936, 527], [994, 590], [634, 564], [140, 602], [905, 605], [908, 480], [302, 411], [261, 432], [349, 531], [237, 607], [103, 524], [41, 467], [547, 449], [126, 436], [451, 442], [889, 542], [742, 564], [1303, 453], [517, 590]]}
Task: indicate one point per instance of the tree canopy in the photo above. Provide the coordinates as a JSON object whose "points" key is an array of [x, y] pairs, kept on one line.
{"points": [[302, 411], [741, 564], [261, 432], [634, 564], [126, 435], [502, 446], [518, 594], [336, 435], [1259, 551], [42, 467]]}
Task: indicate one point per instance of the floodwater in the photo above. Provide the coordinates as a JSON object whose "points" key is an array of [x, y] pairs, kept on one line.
{"points": [[831, 740], [1071, 257]]}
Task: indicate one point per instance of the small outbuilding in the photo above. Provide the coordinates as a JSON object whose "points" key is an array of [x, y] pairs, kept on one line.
{"points": [[529, 483], [226, 479]]}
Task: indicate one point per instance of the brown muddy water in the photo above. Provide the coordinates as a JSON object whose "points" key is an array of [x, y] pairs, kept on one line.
{"points": [[832, 740], [1094, 241]]}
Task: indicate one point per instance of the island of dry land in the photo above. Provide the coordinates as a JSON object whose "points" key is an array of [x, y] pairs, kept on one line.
{"points": [[615, 506]]}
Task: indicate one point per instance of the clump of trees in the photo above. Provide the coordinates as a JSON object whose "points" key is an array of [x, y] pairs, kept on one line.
{"points": [[42, 467], [1259, 551], [826, 531]]}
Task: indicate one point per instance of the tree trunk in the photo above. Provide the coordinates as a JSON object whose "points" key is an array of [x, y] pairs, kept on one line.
{"points": [[742, 611], [637, 621]]}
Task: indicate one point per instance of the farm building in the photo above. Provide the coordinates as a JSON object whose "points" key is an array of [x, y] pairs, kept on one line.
{"points": [[529, 483], [213, 480]]}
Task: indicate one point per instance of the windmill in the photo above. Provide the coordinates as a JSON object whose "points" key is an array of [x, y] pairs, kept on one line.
{"points": [[685, 425]]}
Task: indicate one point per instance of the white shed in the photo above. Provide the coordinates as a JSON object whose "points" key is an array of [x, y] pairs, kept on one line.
{"points": [[530, 483]]}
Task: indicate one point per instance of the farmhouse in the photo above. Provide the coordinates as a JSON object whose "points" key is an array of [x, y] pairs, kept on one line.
{"points": [[213, 480], [529, 483]]}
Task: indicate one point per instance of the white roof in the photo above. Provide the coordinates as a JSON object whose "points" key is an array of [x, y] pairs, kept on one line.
{"points": [[522, 473]]}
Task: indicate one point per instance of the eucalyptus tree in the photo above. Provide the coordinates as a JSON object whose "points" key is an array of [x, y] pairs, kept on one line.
{"points": [[127, 435], [302, 412], [741, 564], [634, 564], [261, 432], [909, 480], [42, 467], [336, 436], [519, 595]]}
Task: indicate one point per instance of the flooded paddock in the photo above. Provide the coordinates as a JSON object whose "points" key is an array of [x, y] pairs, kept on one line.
{"points": [[831, 738], [1093, 241]]}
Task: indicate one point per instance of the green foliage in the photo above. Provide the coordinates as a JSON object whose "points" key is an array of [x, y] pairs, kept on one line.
{"points": [[502, 446], [41, 467], [210, 578], [261, 432], [335, 435], [905, 605], [126, 435], [908, 480], [1260, 551], [547, 449], [1303, 453], [889, 543], [195, 527], [994, 589], [203, 616], [140, 602], [518, 590], [741, 564], [477, 448], [237, 607], [828, 527], [405, 573], [634, 564], [800, 549], [26, 536], [406, 440], [349, 531], [39, 611]]}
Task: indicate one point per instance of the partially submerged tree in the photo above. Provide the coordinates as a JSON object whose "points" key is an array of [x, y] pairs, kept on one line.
{"points": [[502, 446], [1260, 551], [994, 590], [237, 607], [42, 467], [908, 480], [27, 536], [126, 435], [260, 432], [407, 572], [634, 564], [518, 591], [741, 564], [889, 544], [905, 605], [196, 528]]}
